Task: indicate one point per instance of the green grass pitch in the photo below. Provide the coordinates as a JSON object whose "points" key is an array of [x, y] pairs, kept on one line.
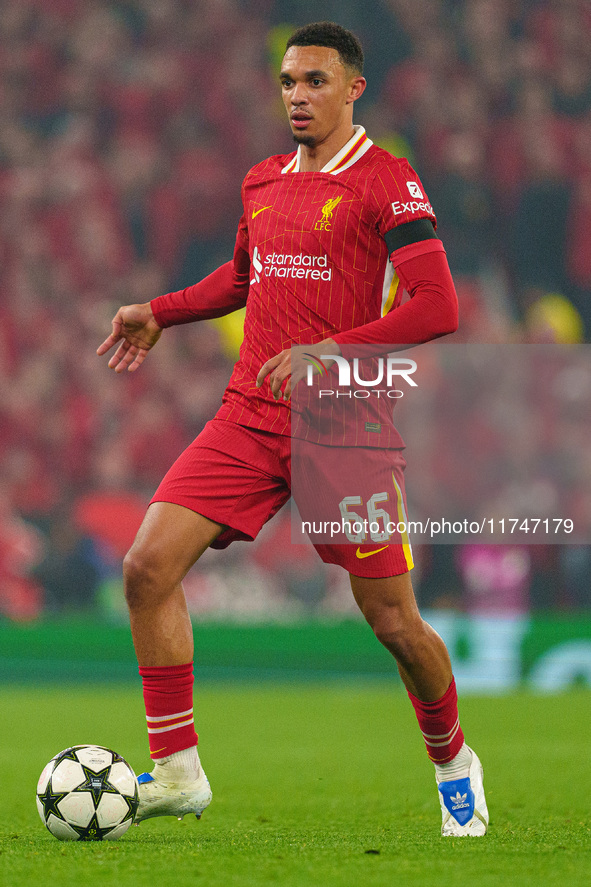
{"points": [[313, 784]]}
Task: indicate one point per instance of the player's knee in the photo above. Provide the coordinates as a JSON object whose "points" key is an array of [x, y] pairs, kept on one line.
{"points": [[143, 576], [397, 634]]}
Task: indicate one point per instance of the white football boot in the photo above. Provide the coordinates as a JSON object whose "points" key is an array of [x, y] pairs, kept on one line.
{"points": [[167, 798], [463, 806]]}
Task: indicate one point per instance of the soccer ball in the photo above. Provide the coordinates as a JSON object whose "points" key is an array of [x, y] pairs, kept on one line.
{"points": [[87, 793]]}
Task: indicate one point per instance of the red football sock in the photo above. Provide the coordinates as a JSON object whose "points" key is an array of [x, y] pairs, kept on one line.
{"points": [[440, 725], [168, 696]]}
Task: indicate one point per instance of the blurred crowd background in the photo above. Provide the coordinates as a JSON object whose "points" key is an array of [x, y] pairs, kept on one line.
{"points": [[125, 131]]}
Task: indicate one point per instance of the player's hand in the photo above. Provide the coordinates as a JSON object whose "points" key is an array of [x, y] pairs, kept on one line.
{"points": [[290, 366], [135, 328]]}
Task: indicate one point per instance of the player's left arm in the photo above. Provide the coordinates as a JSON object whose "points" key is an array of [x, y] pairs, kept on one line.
{"points": [[431, 312], [406, 220]]}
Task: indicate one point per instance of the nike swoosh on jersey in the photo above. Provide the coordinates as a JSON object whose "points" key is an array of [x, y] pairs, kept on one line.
{"points": [[361, 554], [255, 212]]}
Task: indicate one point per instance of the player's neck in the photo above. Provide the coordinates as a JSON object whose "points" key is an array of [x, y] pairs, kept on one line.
{"points": [[314, 158]]}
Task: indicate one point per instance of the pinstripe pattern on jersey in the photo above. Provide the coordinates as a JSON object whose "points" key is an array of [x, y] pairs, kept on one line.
{"points": [[288, 303]]}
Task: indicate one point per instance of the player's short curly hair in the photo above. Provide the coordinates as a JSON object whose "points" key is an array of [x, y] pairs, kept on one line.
{"points": [[334, 36]]}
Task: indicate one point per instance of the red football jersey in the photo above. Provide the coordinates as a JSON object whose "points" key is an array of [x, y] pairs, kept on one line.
{"points": [[319, 263], [316, 249]]}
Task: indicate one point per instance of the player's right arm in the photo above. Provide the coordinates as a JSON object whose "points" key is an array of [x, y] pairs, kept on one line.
{"points": [[136, 331], [137, 328], [221, 292]]}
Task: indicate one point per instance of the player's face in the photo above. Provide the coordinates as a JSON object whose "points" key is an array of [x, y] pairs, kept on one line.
{"points": [[318, 92]]}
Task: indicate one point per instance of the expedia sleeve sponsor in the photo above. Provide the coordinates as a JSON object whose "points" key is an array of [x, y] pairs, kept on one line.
{"points": [[399, 196], [411, 207]]}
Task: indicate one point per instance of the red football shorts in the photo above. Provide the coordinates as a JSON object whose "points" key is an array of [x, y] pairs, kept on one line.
{"points": [[240, 477]]}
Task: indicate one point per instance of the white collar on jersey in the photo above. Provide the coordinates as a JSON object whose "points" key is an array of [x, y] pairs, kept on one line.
{"points": [[349, 154]]}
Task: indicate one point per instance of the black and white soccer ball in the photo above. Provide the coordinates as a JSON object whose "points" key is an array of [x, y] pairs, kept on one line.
{"points": [[87, 793]]}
